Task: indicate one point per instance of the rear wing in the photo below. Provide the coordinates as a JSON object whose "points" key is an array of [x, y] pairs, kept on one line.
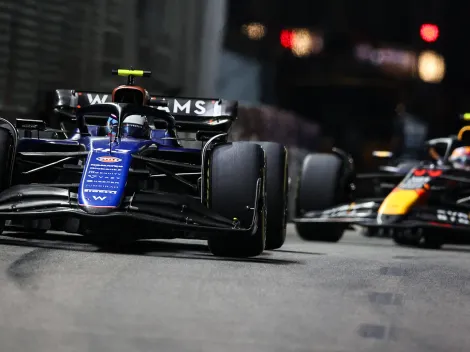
{"points": [[191, 114]]}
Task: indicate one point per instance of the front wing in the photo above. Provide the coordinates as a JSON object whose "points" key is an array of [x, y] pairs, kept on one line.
{"points": [[174, 211], [366, 214]]}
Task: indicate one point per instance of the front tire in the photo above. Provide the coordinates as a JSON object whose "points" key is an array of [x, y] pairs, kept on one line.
{"points": [[406, 241], [433, 239], [235, 172], [276, 193], [320, 187]]}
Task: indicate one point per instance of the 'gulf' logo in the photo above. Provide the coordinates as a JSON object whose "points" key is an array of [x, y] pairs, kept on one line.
{"points": [[108, 159]]}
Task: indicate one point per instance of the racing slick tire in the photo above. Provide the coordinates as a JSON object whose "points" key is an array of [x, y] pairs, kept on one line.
{"points": [[376, 232], [433, 239], [276, 193], [6, 143], [401, 239], [368, 232], [232, 180], [424, 238], [319, 188]]}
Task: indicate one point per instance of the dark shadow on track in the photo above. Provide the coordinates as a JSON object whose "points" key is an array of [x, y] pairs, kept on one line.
{"points": [[369, 243], [297, 252], [453, 248], [155, 248], [447, 248]]}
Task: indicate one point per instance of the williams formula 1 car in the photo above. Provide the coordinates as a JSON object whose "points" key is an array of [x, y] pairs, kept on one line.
{"points": [[105, 183], [429, 205]]}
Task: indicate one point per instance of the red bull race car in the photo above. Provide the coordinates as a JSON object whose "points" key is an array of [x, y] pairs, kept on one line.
{"points": [[429, 205]]}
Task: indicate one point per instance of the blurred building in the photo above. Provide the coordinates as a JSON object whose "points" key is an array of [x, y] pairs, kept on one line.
{"points": [[45, 44]]}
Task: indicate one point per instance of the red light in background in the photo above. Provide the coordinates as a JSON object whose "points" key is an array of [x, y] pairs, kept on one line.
{"points": [[287, 37], [429, 32]]}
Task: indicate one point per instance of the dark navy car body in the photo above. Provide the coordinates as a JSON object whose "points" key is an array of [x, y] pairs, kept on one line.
{"points": [[90, 174]]}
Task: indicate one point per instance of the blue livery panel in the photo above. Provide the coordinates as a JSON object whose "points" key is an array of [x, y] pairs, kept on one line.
{"points": [[106, 171], [104, 178]]}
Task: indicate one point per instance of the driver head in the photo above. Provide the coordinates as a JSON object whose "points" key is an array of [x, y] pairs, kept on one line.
{"points": [[136, 126], [460, 158]]}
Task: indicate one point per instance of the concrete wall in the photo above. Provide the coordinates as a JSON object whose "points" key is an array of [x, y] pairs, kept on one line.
{"points": [[49, 44]]}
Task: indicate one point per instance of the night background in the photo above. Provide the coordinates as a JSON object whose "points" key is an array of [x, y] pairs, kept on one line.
{"points": [[355, 62]]}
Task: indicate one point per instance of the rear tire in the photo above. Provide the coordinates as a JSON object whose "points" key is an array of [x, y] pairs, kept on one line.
{"points": [[319, 232], [425, 238], [232, 180], [276, 193], [320, 187]]}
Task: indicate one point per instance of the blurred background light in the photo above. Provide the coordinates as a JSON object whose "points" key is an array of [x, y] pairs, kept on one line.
{"points": [[286, 38], [254, 31], [403, 60], [431, 67], [301, 42], [429, 32]]}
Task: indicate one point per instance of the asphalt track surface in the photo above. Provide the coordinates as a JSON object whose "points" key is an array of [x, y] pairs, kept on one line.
{"points": [[361, 294]]}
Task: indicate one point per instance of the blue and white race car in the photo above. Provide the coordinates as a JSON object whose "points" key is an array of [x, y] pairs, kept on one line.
{"points": [[123, 173]]}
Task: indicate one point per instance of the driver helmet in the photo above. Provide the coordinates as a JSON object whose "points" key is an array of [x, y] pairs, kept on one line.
{"points": [[136, 126], [460, 158]]}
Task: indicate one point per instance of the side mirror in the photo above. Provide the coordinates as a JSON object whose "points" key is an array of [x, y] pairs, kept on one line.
{"points": [[382, 154], [32, 125]]}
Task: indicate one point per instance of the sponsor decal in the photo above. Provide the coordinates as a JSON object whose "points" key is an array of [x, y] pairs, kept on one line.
{"points": [[108, 159], [190, 107], [100, 191], [97, 99], [415, 182], [106, 150], [175, 106], [453, 217], [99, 198], [101, 167]]}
